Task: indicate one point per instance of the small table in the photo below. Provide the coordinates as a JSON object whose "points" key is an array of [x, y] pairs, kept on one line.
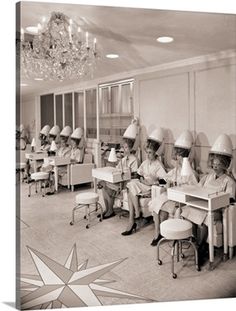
{"points": [[110, 174], [207, 200], [35, 157], [60, 161]]}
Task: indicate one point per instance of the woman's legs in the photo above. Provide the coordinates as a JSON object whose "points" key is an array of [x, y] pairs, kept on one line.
{"points": [[134, 201], [108, 195], [158, 218]]}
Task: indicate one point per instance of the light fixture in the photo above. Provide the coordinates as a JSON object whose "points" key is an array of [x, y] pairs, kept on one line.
{"points": [[112, 55], [53, 146], [38, 79], [112, 156], [33, 145], [59, 50], [165, 39], [32, 29], [23, 84]]}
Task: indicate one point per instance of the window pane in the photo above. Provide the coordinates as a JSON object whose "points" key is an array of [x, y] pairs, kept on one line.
{"points": [[79, 109], [104, 105], [68, 109], [115, 108], [91, 118], [47, 110], [126, 99], [59, 120]]}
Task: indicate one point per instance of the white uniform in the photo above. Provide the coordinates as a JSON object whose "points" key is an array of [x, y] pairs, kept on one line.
{"points": [[161, 202], [129, 162], [151, 171], [77, 155], [222, 183], [64, 152]]}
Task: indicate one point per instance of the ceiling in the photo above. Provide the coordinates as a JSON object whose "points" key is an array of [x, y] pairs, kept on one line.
{"points": [[132, 34]]}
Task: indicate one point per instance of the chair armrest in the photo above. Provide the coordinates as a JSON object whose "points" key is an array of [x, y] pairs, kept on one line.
{"points": [[156, 190], [81, 173]]}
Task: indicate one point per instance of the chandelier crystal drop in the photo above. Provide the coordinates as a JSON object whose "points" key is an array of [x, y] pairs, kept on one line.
{"points": [[59, 51]]}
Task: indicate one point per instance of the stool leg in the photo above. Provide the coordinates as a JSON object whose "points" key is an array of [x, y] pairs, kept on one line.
{"points": [[44, 188], [87, 215], [181, 250], [36, 190], [174, 275], [99, 206], [177, 250], [158, 246], [196, 255], [73, 215], [30, 184]]}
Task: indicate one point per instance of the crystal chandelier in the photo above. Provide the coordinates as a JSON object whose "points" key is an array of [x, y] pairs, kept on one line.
{"points": [[58, 51]]}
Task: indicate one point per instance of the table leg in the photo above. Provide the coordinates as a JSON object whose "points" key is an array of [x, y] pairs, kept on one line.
{"points": [[210, 237], [35, 166], [56, 178], [225, 232], [95, 184]]}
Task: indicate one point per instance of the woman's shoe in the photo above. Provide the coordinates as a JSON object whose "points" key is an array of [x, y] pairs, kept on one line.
{"points": [[99, 215], [128, 232], [155, 241], [109, 216]]}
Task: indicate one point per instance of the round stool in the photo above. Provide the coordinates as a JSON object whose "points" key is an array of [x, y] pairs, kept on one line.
{"points": [[40, 177], [87, 199], [178, 231]]}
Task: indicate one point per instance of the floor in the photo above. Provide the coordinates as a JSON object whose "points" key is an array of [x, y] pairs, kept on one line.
{"points": [[130, 261]]}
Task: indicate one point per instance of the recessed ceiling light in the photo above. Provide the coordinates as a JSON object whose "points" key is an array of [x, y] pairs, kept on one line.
{"points": [[24, 84], [112, 55], [165, 39], [32, 29], [38, 79]]}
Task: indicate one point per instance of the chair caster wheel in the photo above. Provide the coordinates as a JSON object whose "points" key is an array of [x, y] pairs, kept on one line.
{"points": [[198, 268], [36, 191], [71, 223], [84, 217], [159, 262], [174, 275], [182, 256], [87, 226], [28, 195], [100, 219]]}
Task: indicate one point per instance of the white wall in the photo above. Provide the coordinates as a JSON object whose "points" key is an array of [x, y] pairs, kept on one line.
{"points": [[199, 97]]}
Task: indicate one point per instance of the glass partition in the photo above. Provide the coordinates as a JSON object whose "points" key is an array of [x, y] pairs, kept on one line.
{"points": [[91, 115], [47, 109], [79, 109], [68, 109], [59, 109]]}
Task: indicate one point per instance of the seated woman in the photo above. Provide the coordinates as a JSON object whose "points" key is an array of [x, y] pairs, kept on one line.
{"points": [[54, 136], [149, 172], [217, 180], [63, 151], [110, 190], [65, 148], [43, 136], [77, 145], [161, 207]]}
